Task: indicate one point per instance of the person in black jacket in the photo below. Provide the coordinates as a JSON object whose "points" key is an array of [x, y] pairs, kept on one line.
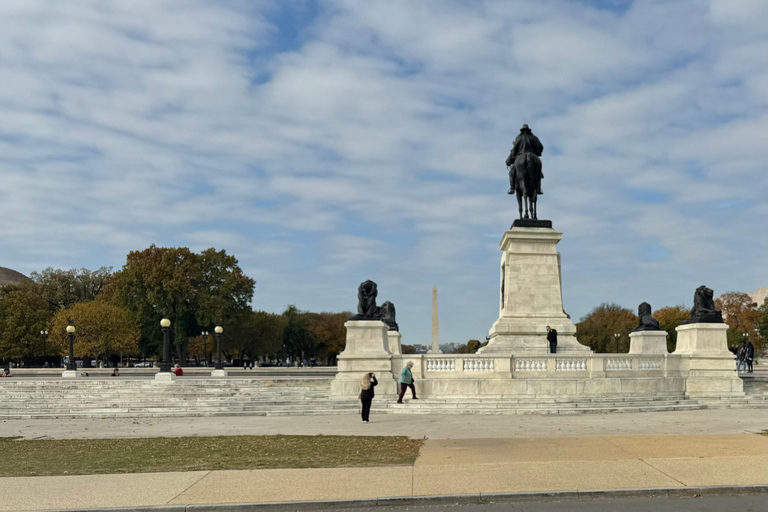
{"points": [[552, 339], [749, 356], [366, 394]]}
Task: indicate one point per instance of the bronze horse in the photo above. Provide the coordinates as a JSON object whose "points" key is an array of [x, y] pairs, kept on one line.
{"points": [[527, 176]]}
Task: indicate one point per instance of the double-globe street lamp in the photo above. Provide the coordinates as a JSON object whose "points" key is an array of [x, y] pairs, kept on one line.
{"points": [[165, 365], [217, 331], [617, 336]]}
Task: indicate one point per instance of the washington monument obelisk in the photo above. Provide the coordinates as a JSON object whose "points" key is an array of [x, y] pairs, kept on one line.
{"points": [[435, 330]]}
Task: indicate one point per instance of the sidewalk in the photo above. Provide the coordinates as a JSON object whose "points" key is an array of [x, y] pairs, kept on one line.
{"points": [[445, 466], [431, 426]]}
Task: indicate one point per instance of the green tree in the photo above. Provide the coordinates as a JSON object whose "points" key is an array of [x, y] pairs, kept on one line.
{"points": [[24, 312], [298, 340], [597, 329], [257, 333], [224, 291], [63, 288], [762, 324], [194, 291], [669, 318], [103, 328]]}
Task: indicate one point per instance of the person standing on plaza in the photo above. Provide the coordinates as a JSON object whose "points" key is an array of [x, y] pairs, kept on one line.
{"points": [[367, 393], [741, 357], [749, 355], [406, 381], [552, 339]]}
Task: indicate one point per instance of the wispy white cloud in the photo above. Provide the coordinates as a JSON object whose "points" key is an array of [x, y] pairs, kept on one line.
{"points": [[366, 139]]}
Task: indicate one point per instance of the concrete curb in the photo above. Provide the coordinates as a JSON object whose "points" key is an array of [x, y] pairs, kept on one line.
{"points": [[479, 498]]}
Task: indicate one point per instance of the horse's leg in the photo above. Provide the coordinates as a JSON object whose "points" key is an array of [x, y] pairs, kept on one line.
{"points": [[533, 205], [519, 203], [526, 207]]}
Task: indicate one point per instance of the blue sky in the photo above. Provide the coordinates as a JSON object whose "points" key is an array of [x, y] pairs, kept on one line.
{"points": [[325, 143]]}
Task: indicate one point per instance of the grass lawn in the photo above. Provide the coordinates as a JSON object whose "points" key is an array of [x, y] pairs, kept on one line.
{"points": [[158, 454]]}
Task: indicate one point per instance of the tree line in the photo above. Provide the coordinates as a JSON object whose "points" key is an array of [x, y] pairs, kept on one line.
{"points": [[740, 312], [118, 314]]}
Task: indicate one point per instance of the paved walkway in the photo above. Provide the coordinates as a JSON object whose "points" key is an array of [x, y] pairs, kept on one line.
{"points": [[719, 421], [445, 466]]}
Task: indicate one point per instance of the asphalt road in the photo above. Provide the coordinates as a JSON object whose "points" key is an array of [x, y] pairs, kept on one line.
{"points": [[756, 503]]}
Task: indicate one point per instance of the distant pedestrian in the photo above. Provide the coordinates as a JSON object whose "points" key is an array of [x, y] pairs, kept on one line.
{"points": [[366, 394], [750, 354], [177, 371], [552, 339], [741, 358], [116, 373], [406, 381], [6, 373]]}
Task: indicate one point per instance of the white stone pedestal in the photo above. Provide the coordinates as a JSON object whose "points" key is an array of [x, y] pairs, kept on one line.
{"points": [[366, 350], [70, 374], [709, 364], [394, 338], [165, 377], [648, 342], [219, 373], [531, 297]]}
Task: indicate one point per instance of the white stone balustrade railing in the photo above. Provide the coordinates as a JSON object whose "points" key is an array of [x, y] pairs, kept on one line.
{"points": [[441, 365], [478, 365], [650, 364], [571, 365], [618, 364], [472, 366], [527, 364]]}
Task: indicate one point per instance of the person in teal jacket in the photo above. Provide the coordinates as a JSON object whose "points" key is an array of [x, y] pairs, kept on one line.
{"points": [[406, 381]]}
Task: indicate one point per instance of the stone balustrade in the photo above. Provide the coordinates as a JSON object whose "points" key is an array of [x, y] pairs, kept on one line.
{"points": [[478, 365], [550, 365]]}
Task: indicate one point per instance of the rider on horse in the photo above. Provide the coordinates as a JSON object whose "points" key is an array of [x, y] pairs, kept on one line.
{"points": [[526, 142]]}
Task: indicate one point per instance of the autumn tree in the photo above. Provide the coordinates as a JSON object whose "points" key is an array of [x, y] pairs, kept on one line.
{"points": [[24, 312], [63, 288], [471, 347], [741, 314], [330, 333], [597, 329], [103, 328], [669, 318]]}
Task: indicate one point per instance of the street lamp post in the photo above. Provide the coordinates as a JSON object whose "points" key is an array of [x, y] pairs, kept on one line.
{"points": [[71, 366], [44, 334], [617, 336], [204, 334], [165, 366], [217, 331]]}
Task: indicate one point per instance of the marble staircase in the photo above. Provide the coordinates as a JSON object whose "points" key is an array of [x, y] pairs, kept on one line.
{"points": [[104, 398]]}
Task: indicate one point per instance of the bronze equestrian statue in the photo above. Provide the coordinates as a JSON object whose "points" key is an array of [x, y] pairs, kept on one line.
{"points": [[525, 173]]}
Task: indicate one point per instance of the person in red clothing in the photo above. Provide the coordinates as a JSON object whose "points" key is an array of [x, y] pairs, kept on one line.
{"points": [[177, 371]]}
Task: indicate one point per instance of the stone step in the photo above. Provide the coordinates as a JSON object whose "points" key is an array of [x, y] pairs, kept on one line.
{"points": [[350, 411]]}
